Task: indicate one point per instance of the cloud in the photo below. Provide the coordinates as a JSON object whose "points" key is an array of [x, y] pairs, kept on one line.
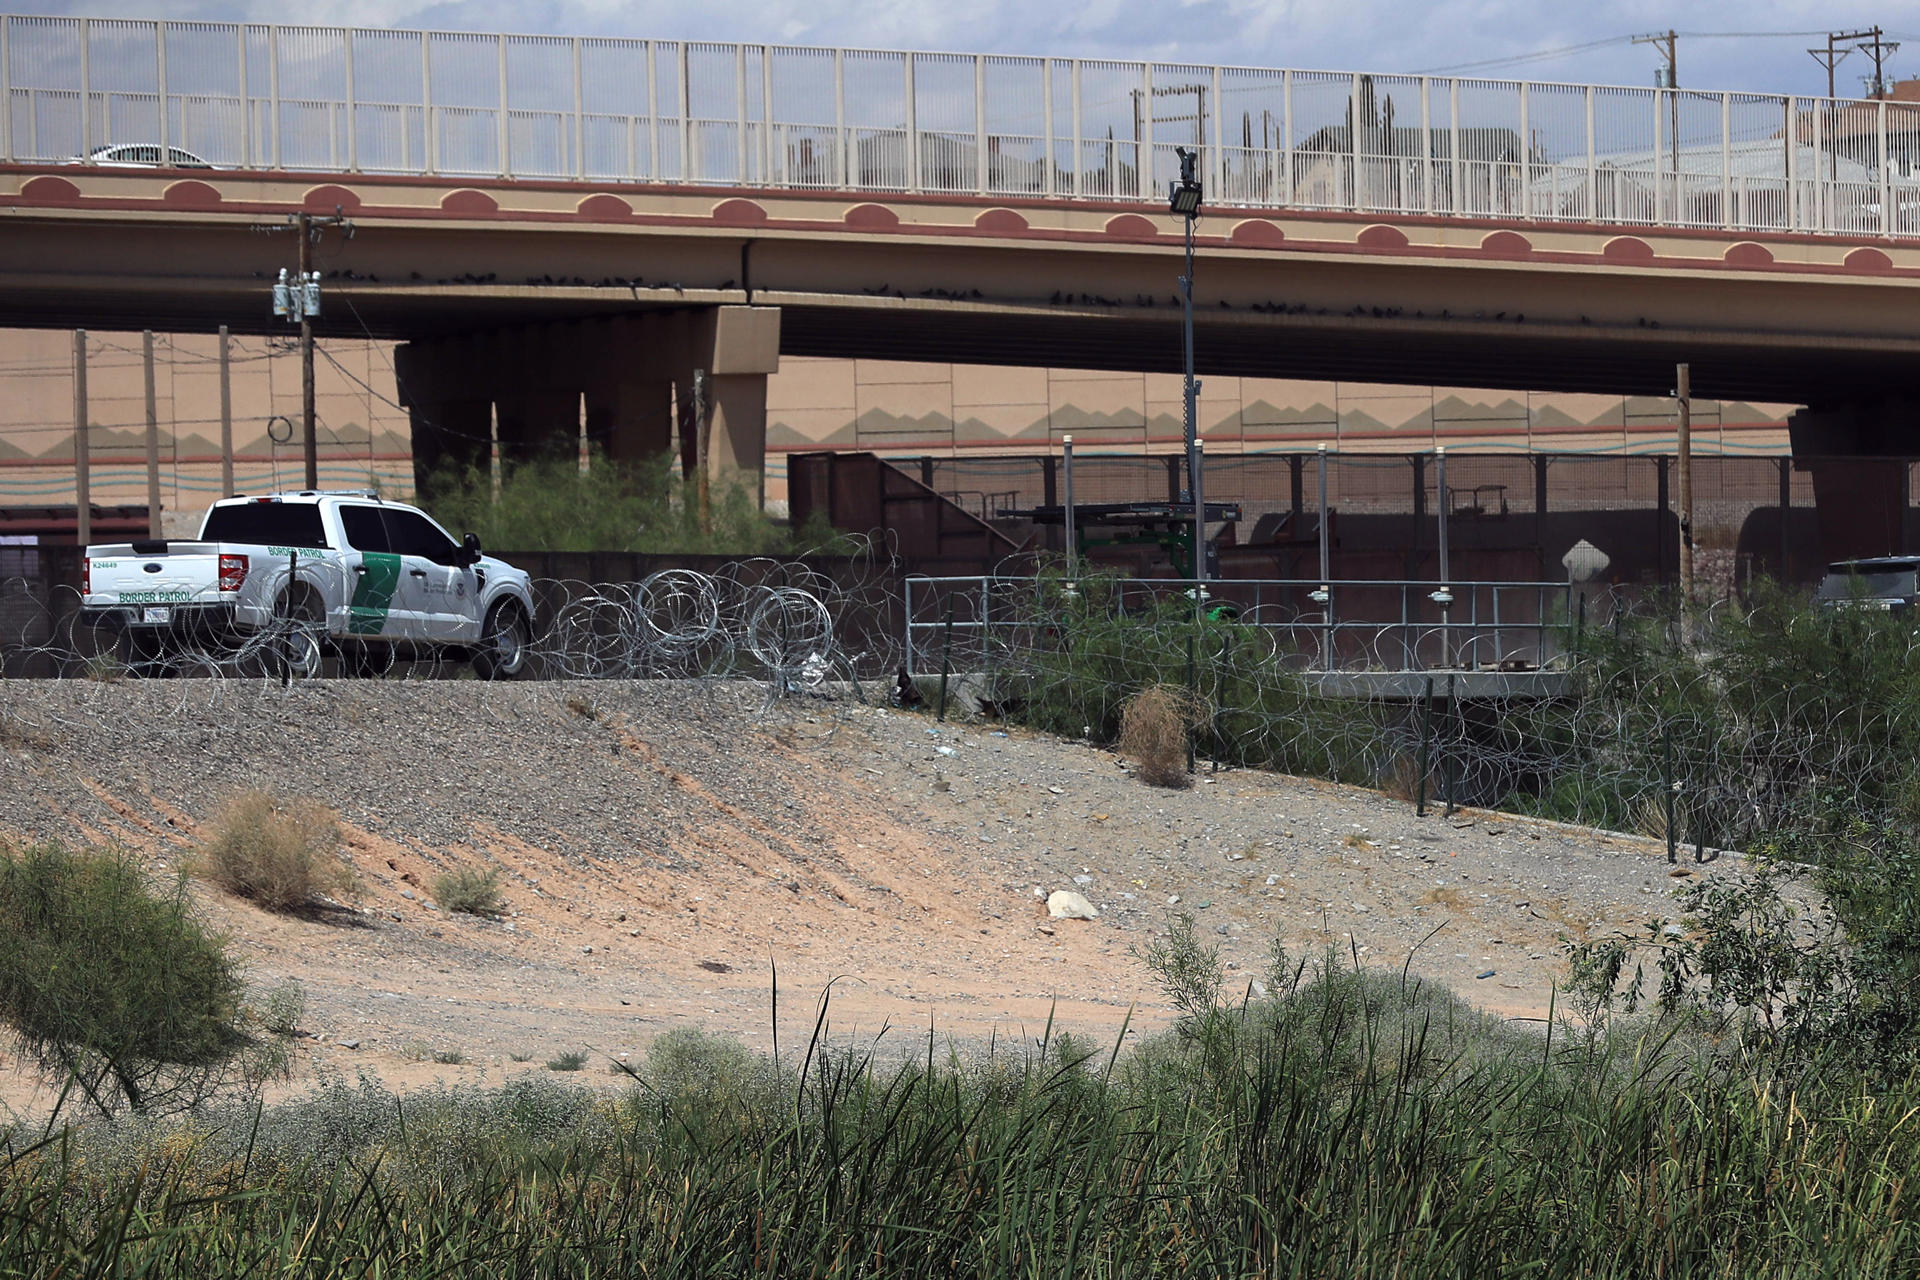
{"points": [[1375, 35]]}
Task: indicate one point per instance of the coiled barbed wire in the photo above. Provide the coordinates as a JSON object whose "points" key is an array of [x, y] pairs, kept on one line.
{"points": [[1596, 726]]}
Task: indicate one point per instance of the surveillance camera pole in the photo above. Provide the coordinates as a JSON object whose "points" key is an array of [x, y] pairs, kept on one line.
{"points": [[1184, 200]]}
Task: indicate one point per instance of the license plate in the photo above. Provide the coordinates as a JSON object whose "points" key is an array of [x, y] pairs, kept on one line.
{"points": [[160, 616]]}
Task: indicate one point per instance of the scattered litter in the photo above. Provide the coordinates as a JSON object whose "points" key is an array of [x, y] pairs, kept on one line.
{"points": [[1173, 899], [1484, 975], [1059, 791], [946, 751], [1272, 881]]}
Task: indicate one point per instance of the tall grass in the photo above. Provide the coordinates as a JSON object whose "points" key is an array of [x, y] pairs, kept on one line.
{"points": [[1353, 1124]]}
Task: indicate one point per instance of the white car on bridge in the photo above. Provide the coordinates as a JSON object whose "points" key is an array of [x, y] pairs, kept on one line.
{"points": [[301, 573]]}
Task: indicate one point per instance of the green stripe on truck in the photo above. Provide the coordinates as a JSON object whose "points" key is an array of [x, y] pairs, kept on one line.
{"points": [[373, 598]]}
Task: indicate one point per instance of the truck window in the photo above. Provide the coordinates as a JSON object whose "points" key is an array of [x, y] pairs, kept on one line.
{"points": [[364, 528], [413, 534], [266, 524]]}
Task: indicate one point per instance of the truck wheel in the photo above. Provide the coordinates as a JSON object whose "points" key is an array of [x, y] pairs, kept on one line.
{"points": [[506, 639], [296, 643]]}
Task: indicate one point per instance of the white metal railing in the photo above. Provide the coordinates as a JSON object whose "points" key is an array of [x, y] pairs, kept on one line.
{"points": [[594, 109]]}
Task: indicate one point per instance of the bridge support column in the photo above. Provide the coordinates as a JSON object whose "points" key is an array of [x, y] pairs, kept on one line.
{"points": [[1857, 455], [631, 368]]}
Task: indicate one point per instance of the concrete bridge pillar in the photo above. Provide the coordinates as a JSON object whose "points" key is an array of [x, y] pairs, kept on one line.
{"points": [[1856, 453], [634, 371]]}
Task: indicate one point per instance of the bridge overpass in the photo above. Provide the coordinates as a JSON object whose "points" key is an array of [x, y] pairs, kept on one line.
{"points": [[546, 217]]}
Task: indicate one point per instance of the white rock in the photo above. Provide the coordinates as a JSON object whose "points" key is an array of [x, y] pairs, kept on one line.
{"points": [[1083, 879], [1064, 904]]}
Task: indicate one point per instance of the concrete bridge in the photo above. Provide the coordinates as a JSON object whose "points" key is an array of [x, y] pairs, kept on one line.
{"points": [[546, 217]]}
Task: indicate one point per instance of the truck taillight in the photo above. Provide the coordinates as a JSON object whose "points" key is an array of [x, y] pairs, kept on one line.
{"points": [[233, 572], [86, 576]]}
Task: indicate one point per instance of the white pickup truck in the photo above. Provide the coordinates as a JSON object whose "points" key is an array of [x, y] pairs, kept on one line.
{"points": [[291, 575]]}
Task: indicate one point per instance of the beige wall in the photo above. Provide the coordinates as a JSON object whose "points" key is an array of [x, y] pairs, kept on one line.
{"points": [[888, 406], [364, 439], [947, 409]]}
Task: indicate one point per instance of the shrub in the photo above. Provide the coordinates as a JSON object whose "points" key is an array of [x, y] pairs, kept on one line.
{"points": [[118, 991], [572, 1060], [549, 504], [1155, 725], [469, 889], [283, 854]]}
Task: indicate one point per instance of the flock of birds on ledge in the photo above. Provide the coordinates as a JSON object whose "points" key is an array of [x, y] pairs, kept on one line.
{"points": [[1059, 297]]}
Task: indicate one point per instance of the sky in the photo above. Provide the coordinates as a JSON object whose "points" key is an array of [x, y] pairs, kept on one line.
{"points": [[1583, 43]]}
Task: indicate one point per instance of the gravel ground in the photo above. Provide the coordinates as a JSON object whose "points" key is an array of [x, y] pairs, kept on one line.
{"points": [[674, 853]]}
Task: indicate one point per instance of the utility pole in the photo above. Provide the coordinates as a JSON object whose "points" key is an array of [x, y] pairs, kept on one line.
{"points": [[226, 415], [1878, 49], [82, 445], [1670, 41], [1683, 393], [153, 437], [310, 444], [298, 301]]}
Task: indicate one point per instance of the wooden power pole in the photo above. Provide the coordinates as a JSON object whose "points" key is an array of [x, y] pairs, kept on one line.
{"points": [[153, 437], [226, 414], [82, 446], [1683, 392], [310, 446]]}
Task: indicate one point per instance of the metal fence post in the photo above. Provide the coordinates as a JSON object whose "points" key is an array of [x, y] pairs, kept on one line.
{"points": [[946, 660], [1670, 787], [1426, 744]]}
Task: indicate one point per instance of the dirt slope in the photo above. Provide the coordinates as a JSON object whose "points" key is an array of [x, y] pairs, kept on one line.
{"points": [[666, 847]]}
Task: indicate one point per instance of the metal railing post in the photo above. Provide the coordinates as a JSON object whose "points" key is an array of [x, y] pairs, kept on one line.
{"points": [[845, 176], [689, 170], [6, 89], [502, 135], [160, 84], [86, 88], [912, 148], [1051, 163], [579, 165], [428, 142], [353, 130], [1079, 182], [740, 152], [983, 174], [1143, 144]]}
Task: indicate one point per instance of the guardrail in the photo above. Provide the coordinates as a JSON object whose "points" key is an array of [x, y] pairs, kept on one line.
{"points": [[594, 109], [1354, 625]]}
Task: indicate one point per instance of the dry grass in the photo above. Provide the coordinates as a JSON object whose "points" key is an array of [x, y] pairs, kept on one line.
{"points": [[281, 853], [1154, 728], [470, 889]]}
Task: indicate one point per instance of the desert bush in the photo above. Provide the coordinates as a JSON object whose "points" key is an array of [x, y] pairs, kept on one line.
{"points": [[117, 991], [571, 1060], [549, 504], [473, 890], [282, 853], [1156, 726], [1083, 654]]}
